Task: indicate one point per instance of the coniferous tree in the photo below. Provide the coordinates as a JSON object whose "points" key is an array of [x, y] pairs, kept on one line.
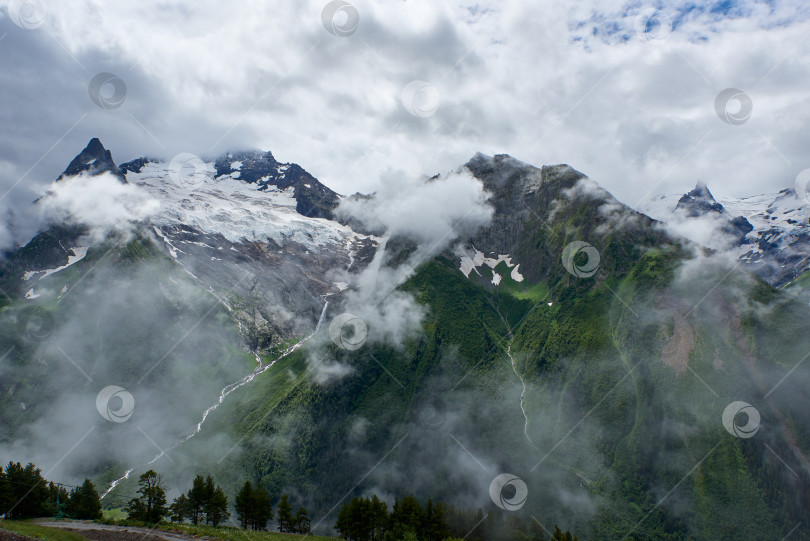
{"points": [[285, 517], [379, 517], [244, 505], [360, 519], [29, 491], [150, 506], [180, 508], [405, 517], [302, 521], [342, 524], [6, 492], [253, 507], [262, 508], [196, 499], [434, 522], [208, 495], [84, 503], [216, 509]]}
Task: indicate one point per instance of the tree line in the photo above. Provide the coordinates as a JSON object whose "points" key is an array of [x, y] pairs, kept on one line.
{"points": [[25, 493], [206, 502], [369, 519]]}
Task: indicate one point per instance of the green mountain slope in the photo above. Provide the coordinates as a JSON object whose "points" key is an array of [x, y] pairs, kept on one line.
{"points": [[598, 376], [627, 374]]}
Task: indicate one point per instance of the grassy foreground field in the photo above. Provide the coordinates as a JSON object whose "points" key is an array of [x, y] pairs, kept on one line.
{"points": [[30, 529], [227, 533], [224, 533]]}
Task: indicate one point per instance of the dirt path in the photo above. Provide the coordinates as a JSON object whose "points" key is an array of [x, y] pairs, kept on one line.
{"points": [[107, 532]]}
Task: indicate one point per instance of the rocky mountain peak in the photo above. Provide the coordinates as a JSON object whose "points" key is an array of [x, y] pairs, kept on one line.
{"points": [[699, 201], [94, 160], [262, 169]]}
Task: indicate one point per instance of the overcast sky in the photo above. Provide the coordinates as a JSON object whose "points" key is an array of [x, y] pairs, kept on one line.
{"points": [[360, 93]]}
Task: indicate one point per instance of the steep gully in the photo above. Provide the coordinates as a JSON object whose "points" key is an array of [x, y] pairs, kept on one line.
{"points": [[228, 389], [522, 381]]}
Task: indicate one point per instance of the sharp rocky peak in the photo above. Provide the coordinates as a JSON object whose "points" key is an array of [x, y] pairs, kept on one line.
{"points": [[699, 201], [93, 160]]}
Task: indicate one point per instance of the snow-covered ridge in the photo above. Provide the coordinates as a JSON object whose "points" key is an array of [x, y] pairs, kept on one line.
{"points": [[778, 247], [236, 210]]}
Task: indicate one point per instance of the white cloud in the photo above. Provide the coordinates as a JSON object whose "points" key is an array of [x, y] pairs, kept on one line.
{"points": [[432, 212], [100, 202], [547, 82]]}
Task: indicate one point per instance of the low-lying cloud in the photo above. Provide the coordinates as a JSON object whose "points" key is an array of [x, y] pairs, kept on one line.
{"points": [[100, 202]]}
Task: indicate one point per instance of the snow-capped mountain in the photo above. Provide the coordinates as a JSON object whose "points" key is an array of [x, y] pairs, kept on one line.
{"points": [[244, 226], [769, 233], [562, 302]]}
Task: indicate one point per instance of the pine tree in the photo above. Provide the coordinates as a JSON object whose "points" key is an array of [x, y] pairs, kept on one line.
{"points": [[284, 514], [406, 516], [379, 517], [84, 502], [196, 499], [302, 521], [244, 505], [216, 509], [342, 525], [208, 495], [6, 492], [29, 491], [262, 508], [180, 508], [434, 527], [151, 505]]}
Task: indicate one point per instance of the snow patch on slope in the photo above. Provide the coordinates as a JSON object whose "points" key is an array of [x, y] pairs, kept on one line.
{"points": [[78, 253], [469, 264]]}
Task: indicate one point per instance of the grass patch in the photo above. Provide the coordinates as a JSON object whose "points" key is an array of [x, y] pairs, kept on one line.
{"points": [[31, 529], [227, 533], [117, 513], [520, 290]]}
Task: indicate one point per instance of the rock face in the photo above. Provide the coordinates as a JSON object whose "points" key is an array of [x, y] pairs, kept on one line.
{"points": [[700, 202], [538, 211], [313, 199], [93, 160]]}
